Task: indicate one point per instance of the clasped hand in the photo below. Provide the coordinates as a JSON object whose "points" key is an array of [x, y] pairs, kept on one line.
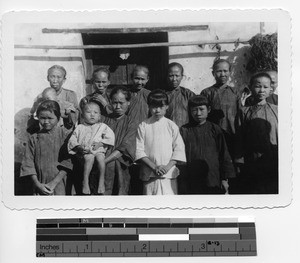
{"points": [[160, 170]]}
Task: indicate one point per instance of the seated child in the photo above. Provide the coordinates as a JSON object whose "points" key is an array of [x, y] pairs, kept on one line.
{"points": [[257, 145], [208, 164], [67, 109], [90, 141], [46, 160], [159, 147]]}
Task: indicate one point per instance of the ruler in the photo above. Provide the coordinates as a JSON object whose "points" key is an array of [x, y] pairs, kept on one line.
{"points": [[145, 237]]}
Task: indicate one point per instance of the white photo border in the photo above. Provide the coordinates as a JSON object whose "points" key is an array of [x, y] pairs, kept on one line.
{"points": [[282, 199]]}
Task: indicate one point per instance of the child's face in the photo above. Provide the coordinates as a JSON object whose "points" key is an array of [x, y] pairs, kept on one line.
{"points": [[50, 95], [261, 88], [120, 104], [91, 113], [200, 113], [174, 77], [222, 73], [158, 111], [140, 79], [101, 82], [48, 120], [56, 79], [274, 78]]}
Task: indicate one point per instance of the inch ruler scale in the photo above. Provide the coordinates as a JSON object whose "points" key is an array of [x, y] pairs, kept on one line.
{"points": [[145, 237]]}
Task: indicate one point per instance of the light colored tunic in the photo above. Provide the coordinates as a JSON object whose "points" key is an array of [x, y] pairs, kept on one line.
{"points": [[86, 135], [161, 142]]}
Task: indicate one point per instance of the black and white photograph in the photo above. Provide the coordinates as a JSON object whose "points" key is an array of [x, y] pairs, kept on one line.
{"points": [[159, 112]]}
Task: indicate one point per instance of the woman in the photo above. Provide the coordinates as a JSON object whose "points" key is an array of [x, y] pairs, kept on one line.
{"points": [[119, 157], [178, 96]]}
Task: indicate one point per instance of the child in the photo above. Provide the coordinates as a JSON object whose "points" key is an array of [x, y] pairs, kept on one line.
{"points": [[67, 110], [56, 77], [224, 100], [138, 109], [101, 81], [178, 96], [208, 162], [90, 141], [273, 97], [159, 147], [46, 160], [257, 146]]}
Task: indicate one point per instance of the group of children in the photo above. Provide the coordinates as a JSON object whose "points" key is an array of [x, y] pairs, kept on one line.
{"points": [[218, 142]]}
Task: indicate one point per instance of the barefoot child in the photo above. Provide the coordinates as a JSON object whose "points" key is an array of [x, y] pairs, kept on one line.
{"points": [[208, 162], [90, 141], [46, 160], [159, 147], [257, 147]]}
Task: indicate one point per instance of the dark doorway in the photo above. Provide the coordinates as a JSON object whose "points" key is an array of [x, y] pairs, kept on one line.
{"points": [[156, 58]]}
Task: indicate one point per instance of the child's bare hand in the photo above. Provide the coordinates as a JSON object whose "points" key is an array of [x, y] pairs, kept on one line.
{"points": [[86, 150], [80, 149], [160, 170], [43, 189], [70, 109], [101, 99], [96, 145], [244, 97], [50, 186]]}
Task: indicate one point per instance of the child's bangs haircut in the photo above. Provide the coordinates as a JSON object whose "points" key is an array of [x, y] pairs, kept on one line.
{"points": [[58, 67], [218, 61], [259, 75], [49, 105], [177, 65], [101, 69], [157, 98], [121, 89], [198, 100]]}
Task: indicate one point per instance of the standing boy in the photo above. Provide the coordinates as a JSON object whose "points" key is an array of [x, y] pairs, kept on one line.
{"points": [[257, 134]]}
